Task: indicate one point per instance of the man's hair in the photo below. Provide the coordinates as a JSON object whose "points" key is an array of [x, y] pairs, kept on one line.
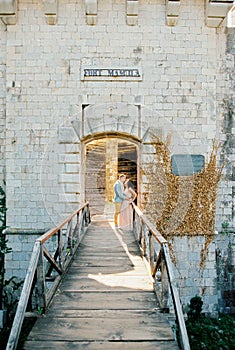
{"points": [[122, 175]]}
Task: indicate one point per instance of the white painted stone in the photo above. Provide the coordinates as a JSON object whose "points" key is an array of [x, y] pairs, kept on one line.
{"points": [[8, 7], [185, 77], [216, 12]]}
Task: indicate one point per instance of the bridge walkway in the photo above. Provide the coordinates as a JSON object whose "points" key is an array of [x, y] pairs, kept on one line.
{"points": [[105, 301]]}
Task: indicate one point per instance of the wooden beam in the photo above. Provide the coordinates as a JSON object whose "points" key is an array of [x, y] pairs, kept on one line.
{"points": [[21, 308], [52, 261], [41, 285]]}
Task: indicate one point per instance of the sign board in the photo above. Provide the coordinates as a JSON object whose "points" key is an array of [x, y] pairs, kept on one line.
{"points": [[111, 73], [186, 164]]}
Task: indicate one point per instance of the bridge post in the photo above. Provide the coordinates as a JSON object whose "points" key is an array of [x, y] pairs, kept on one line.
{"points": [[40, 284], [165, 286], [60, 247], [151, 253]]}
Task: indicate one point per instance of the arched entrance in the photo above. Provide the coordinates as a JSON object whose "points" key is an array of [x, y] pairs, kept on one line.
{"points": [[105, 158]]}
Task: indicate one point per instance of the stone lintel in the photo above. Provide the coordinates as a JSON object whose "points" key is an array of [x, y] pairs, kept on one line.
{"points": [[231, 18], [91, 7], [8, 11], [172, 12], [132, 12], [216, 11], [50, 11]]}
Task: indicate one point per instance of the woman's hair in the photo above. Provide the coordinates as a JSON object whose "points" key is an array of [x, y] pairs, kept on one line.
{"points": [[129, 184]]}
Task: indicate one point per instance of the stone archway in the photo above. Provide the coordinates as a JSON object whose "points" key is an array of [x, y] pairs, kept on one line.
{"points": [[105, 158]]}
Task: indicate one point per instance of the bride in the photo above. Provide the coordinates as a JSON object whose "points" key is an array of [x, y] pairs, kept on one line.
{"points": [[126, 213]]}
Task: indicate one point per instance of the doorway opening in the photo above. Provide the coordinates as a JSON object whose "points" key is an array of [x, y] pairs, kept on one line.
{"points": [[106, 158]]}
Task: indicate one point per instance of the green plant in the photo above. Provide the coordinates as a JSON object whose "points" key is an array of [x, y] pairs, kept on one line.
{"points": [[40, 310], [195, 308], [207, 333], [11, 289], [3, 242], [225, 226]]}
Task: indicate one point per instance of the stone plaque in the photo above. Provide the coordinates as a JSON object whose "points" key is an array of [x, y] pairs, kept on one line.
{"points": [[187, 164]]}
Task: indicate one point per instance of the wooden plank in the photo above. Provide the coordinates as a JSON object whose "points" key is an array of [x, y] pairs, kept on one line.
{"points": [[106, 282], [113, 300], [83, 329], [107, 250], [120, 269], [100, 345], [107, 261], [106, 238], [110, 314]]}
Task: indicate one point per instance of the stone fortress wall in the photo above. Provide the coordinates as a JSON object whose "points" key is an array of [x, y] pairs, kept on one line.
{"points": [[178, 58]]}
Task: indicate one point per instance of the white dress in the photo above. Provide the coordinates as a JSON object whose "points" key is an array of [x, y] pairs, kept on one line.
{"points": [[126, 213]]}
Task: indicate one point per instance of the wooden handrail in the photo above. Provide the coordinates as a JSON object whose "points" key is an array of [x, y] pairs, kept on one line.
{"points": [[51, 232], [36, 270], [157, 235], [145, 232]]}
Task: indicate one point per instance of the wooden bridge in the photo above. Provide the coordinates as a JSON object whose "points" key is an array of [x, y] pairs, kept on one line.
{"points": [[106, 298]]}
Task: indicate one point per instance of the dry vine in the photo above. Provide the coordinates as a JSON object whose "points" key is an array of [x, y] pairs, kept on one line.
{"points": [[181, 205]]}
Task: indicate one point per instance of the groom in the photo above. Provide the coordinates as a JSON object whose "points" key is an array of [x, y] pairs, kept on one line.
{"points": [[118, 197]]}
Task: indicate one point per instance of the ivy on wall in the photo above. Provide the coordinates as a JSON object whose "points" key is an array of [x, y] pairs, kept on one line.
{"points": [[181, 205]]}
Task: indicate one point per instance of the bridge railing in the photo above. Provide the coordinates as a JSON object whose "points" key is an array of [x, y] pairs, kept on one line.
{"points": [[156, 252], [52, 253]]}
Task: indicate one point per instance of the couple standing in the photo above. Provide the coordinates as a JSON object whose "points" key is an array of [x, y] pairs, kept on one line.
{"points": [[124, 196]]}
